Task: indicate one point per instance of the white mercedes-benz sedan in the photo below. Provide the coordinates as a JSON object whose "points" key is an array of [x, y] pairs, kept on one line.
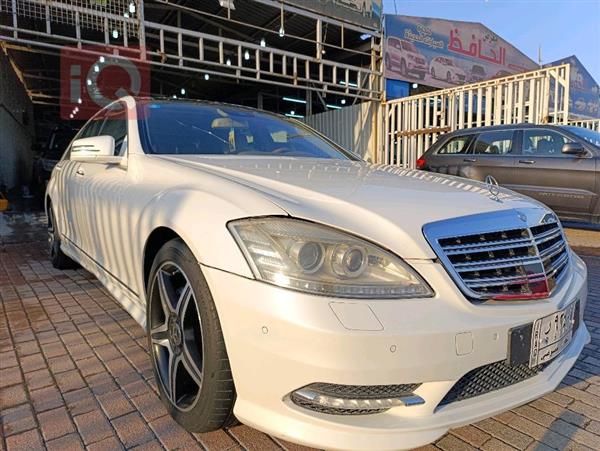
{"points": [[321, 299]]}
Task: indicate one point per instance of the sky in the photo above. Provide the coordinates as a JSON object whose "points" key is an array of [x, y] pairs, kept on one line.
{"points": [[562, 28]]}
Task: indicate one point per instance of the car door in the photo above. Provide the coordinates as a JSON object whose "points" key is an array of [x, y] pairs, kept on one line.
{"points": [[491, 153], [566, 183], [98, 199], [67, 184], [451, 156]]}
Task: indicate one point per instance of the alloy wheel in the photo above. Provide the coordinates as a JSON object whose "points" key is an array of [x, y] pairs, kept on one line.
{"points": [[51, 235], [176, 336]]}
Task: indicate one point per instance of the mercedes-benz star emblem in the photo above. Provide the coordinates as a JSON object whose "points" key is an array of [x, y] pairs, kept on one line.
{"points": [[493, 187]]}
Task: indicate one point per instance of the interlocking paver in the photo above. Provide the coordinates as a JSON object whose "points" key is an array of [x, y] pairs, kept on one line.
{"points": [[75, 373]]}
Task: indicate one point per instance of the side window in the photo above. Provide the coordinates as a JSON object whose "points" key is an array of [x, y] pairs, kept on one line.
{"points": [[494, 143], [92, 128], [454, 146], [115, 125], [543, 143]]}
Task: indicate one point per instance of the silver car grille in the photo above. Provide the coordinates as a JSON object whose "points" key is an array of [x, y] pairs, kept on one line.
{"points": [[508, 258]]}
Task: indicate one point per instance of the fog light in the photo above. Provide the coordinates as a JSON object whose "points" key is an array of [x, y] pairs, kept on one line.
{"points": [[355, 399]]}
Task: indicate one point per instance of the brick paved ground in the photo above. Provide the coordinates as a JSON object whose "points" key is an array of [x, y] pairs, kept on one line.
{"points": [[74, 373]]}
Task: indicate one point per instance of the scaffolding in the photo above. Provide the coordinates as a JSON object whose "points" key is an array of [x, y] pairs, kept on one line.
{"points": [[27, 25]]}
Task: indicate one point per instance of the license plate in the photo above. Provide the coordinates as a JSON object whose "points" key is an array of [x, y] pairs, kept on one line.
{"points": [[551, 334]]}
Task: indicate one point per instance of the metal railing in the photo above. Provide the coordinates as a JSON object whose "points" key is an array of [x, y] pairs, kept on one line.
{"points": [[591, 124], [54, 24], [412, 124]]}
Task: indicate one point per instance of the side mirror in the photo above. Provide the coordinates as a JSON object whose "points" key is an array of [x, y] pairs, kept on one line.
{"points": [[573, 148], [97, 149]]}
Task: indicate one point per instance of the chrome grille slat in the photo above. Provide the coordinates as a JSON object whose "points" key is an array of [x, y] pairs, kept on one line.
{"points": [[547, 237], [482, 265], [496, 281], [553, 250], [557, 265], [511, 254], [487, 248]]}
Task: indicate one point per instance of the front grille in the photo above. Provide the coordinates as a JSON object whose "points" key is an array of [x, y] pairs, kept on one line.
{"points": [[513, 263], [488, 378]]}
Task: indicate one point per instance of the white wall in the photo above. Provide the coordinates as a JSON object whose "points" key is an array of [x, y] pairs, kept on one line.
{"points": [[16, 128], [353, 127]]}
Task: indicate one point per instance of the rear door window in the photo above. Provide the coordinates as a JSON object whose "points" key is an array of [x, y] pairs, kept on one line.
{"points": [[456, 146], [494, 143]]}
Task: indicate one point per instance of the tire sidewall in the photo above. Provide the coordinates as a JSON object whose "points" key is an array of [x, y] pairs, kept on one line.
{"points": [[177, 252]]}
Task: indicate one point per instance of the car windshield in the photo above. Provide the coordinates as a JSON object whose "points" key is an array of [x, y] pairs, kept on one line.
{"points": [[589, 135], [409, 46], [171, 127]]}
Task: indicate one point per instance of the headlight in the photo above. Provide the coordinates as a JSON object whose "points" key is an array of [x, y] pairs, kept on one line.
{"points": [[321, 260]]}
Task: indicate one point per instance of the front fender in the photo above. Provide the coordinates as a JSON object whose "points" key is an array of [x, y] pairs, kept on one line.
{"points": [[200, 219]]}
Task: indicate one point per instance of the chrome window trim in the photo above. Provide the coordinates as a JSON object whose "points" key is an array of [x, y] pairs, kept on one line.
{"points": [[489, 223]]}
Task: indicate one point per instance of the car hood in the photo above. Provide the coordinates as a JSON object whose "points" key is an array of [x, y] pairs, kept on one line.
{"points": [[385, 204]]}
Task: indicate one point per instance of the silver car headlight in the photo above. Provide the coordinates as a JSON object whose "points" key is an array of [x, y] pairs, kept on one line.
{"points": [[316, 259]]}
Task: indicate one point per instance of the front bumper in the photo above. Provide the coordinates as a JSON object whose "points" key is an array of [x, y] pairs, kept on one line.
{"points": [[279, 341]]}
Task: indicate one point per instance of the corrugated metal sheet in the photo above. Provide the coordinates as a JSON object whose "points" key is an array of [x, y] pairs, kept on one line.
{"points": [[352, 127]]}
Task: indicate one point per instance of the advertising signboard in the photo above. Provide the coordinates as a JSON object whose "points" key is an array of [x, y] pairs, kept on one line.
{"points": [[584, 99], [444, 53], [366, 13]]}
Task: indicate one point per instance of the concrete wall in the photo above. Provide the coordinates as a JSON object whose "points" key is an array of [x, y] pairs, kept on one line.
{"points": [[16, 128], [354, 127]]}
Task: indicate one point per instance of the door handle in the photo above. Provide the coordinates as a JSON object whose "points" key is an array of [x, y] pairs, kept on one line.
{"points": [[469, 160], [80, 172], [527, 161]]}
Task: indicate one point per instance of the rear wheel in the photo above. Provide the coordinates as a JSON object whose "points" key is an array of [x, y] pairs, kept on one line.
{"points": [[186, 344], [432, 72], [448, 77], [403, 70], [57, 256]]}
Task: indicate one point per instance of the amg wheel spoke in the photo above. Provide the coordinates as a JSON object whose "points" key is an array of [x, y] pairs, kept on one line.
{"points": [[184, 299], [174, 361], [160, 335], [166, 292], [190, 364]]}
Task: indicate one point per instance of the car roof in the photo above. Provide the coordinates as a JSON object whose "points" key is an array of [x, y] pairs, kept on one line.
{"points": [[492, 128]]}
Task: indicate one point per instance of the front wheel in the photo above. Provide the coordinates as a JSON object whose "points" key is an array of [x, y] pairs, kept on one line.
{"points": [[57, 257], [186, 343]]}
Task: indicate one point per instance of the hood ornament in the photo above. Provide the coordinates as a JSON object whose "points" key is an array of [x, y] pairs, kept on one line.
{"points": [[493, 187]]}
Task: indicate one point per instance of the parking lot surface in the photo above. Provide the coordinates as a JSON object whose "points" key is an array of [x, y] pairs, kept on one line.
{"points": [[75, 374]]}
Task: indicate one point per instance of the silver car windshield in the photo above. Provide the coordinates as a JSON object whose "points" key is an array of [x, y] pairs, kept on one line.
{"points": [[188, 128]]}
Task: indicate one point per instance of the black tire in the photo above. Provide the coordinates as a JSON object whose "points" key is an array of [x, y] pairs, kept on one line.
{"points": [[186, 344], [387, 62], [432, 72], [57, 257], [448, 77]]}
